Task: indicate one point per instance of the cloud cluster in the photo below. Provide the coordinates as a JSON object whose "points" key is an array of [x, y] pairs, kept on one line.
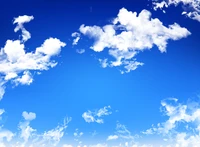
{"points": [[17, 65], [191, 8], [29, 135], [96, 116], [130, 33], [183, 123], [181, 129]]}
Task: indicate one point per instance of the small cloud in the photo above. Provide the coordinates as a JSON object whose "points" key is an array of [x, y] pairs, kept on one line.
{"points": [[96, 116], [112, 137], [104, 62], [77, 38], [20, 26], [29, 116], [80, 51]]}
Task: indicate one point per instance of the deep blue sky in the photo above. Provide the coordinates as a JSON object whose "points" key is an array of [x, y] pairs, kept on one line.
{"points": [[78, 83]]}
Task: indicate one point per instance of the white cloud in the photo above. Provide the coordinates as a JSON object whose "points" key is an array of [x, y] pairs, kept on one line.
{"points": [[67, 145], [77, 134], [31, 138], [130, 33], [2, 88], [80, 51], [25, 79], [6, 134], [50, 47], [191, 7], [26, 129], [17, 65], [2, 145], [99, 145], [123, 132], [112, 137], [96, 116], [1, 111], [177, 113], [77, 38], [29, 116], [104, 62], [20, 22], [53, 136]]}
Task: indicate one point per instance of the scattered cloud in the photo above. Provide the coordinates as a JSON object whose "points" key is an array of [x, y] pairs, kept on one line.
{"points": [[191, 8], [181, 129], [104, 62], [177, 113], [77, 134], [182, 125], [131, 33], [123, 132], [29, 135], [17, 65], [96, 116]]}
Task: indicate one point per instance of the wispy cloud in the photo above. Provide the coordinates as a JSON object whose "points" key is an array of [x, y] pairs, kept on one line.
{"points": [[112, 137], [28, 136], [80, 51], [96, 116]]}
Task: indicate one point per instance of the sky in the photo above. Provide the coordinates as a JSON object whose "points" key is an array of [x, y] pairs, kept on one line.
{"points": [[99, 73]]}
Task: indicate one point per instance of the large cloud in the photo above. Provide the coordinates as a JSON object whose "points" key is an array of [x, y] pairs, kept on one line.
{"points": [[130, 33], [17, 65], [191, 7]]}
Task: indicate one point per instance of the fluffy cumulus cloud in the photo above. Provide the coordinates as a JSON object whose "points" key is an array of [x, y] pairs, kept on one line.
{"points": [[130, 33], [17, 65], [191, 8], [96, 116]]}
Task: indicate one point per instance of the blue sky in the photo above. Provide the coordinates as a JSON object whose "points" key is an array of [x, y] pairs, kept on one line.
{"points": [[99, 73]]}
